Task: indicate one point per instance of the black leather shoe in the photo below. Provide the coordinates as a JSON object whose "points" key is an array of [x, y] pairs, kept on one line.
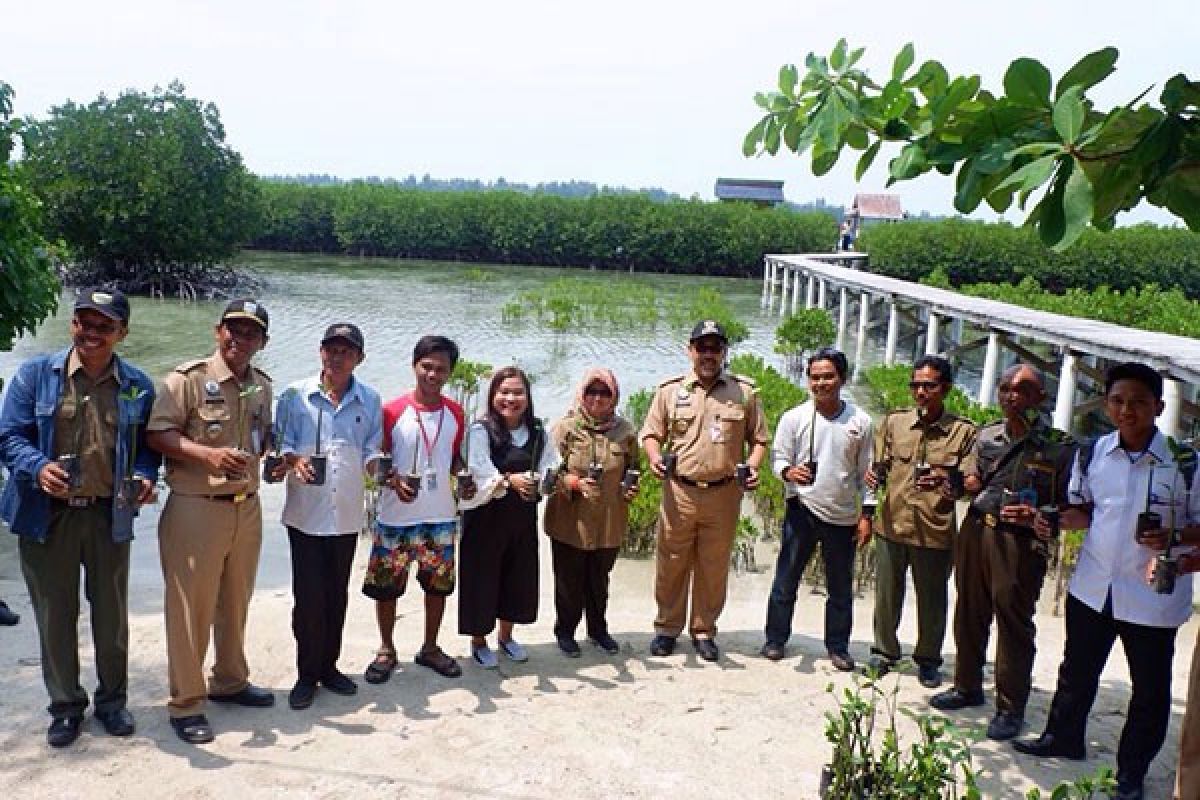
{"points": [[954, 698], [606, 643], [118, 722], [251, 696], [929, 676], [63, 731], [338, 683], [194, 729], [1004, 726], [773, 651], [706, 649], [7, 617], [842, 662], [1046, 746], [569, 646], [302, 695], [662, 645]]}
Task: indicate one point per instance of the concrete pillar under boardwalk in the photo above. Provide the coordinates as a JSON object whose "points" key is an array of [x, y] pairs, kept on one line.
{"points": [[991, 361], [864, 322], [766, 283], [1064, 402], [843, 317], [795, 294], [821, 293], [783, 296], [893, 333], [1170, 421], [810, 291], [931, 335]]}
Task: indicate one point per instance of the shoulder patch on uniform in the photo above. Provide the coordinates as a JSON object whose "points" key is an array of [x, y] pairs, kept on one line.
{"points": [[674, 379], [188, 366]]}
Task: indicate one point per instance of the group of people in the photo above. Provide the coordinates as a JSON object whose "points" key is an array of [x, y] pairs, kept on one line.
{"points": [[83, 434]]}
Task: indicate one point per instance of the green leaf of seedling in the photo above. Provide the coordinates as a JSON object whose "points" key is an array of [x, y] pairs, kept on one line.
{"points": [[762, 100], [866, 159], [788, 77], [904, 59], [1088, 71], [837, 59], [855, 56], [1069, 114], [1027, 83]]}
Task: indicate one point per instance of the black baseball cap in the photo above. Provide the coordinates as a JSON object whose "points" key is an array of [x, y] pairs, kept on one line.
{"points": [[112, 303], [246, 309], [347, 332], [708, 327]]}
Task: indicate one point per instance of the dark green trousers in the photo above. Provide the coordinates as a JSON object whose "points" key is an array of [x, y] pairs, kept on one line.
{"points": [[80, 537], [931, 576]]}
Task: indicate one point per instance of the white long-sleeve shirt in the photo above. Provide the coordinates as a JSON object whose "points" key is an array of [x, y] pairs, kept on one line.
{"points": [[489, 482], [841, 447]]}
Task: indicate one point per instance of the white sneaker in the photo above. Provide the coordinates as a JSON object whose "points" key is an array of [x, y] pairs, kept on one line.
{"points": [[484, 656], [513, 649]]}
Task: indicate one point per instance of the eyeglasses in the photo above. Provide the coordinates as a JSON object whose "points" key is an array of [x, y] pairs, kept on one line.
{"points": [[243, 330], [928, 386], [597, 391], [709, 348], [102, 328]]}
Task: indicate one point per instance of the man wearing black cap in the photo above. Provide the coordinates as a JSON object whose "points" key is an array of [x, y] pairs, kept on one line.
{"points": [[700, 427], [211, 422], [336, 419], [75, 485]]}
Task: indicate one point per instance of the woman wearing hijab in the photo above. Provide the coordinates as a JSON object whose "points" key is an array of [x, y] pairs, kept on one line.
{"points": [[588, 518], [509, 451]]}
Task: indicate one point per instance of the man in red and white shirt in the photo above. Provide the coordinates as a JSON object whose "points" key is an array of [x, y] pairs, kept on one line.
{"points": [[417, 516]]}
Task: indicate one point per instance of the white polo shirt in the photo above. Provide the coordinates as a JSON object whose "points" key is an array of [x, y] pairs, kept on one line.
{"points": [[1110, 559], [422, 440]]}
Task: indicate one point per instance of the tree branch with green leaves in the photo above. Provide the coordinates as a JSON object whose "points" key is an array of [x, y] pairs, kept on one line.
{"points": [[1041, 144]]}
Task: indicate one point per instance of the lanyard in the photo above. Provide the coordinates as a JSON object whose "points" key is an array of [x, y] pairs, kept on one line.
{"points": [[425, 436]]}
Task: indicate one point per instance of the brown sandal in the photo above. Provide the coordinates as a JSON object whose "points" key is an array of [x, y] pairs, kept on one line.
{"points": [[379, 670], [437, 660]]}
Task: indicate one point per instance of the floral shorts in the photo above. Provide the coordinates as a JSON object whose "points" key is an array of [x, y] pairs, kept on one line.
{"points": [[394, 548]]}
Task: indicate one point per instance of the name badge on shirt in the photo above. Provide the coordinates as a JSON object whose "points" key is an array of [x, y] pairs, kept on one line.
{"points": [[431, 479], [715, 432]]}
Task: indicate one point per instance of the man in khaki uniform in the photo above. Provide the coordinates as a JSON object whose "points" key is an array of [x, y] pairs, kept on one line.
{"points": [[705, 422], [211, 421], [918, 448]]}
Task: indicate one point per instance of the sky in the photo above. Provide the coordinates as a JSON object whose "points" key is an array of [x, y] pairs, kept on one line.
{"points": [[623, 93]]}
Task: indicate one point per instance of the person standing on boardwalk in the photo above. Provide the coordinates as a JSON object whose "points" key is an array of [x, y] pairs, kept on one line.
{"points": [[701, 427], [423, 433], [72, 436], [211, 422], [832, 507], [918, 450], [587, 520], [1114, 480], [335, 418], [999, 562]]}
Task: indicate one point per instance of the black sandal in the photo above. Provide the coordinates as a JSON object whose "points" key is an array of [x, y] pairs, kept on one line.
{"points": [[439, 662], [379, 670]]}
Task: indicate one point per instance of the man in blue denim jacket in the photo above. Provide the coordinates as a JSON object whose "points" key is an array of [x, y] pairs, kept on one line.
{"points": [[72, 435]]}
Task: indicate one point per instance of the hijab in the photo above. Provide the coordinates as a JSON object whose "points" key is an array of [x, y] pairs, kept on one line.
{"points": [[606, 377]]}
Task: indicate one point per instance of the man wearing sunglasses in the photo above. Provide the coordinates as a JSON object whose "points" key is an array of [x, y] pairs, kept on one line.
{"points": [[67, 439], [211, 422], [919, 451], [700, 427]]}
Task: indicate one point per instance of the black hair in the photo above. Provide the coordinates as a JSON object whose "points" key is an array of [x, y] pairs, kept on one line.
{"points": [[497, 429], [939, 364], [428, 345], [833, 356], [1135, 371]]}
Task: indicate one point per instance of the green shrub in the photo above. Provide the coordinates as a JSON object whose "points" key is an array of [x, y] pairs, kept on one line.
{"points": [[888, 390]]}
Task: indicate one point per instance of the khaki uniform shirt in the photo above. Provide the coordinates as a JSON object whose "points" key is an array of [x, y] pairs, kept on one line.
{"points": [[204, 401], [910, 516], [1042, 463], [711, 430], [86, 425], [595, 522]]}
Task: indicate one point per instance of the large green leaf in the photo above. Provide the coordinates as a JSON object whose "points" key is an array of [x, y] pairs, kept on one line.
{"points": [[865, 161], [1032, 175], [1180, 93], [1048, 215], [1088, 71], [824, 161], [909, 164], [753, 137], [1076, 205], [837, 59], [1027, 83], [788, 76], [1069, 114]]}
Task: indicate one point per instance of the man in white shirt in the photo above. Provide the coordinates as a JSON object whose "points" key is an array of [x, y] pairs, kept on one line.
{"points": [[423, 432], [836, 437], [1123, 474], [334, 417]]}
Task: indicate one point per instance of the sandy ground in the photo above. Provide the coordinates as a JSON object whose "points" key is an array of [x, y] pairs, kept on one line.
{"points": [[601, 726]]}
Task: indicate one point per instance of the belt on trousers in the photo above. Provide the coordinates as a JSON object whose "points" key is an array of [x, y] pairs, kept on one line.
{"points": [[704, 484], [992, 521], [84, 502], [240, 497]]}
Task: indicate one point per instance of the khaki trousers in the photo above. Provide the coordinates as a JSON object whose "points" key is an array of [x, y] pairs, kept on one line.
{"points": [[1187, 780], [695, 539], [209, 551]]}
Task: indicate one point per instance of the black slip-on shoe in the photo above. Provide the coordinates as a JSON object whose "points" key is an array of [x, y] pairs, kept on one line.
{"points": [[251, 696], [118, 722], [302, 695], [194, 729], [662, 645], [63, 731], [706, 649]]}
